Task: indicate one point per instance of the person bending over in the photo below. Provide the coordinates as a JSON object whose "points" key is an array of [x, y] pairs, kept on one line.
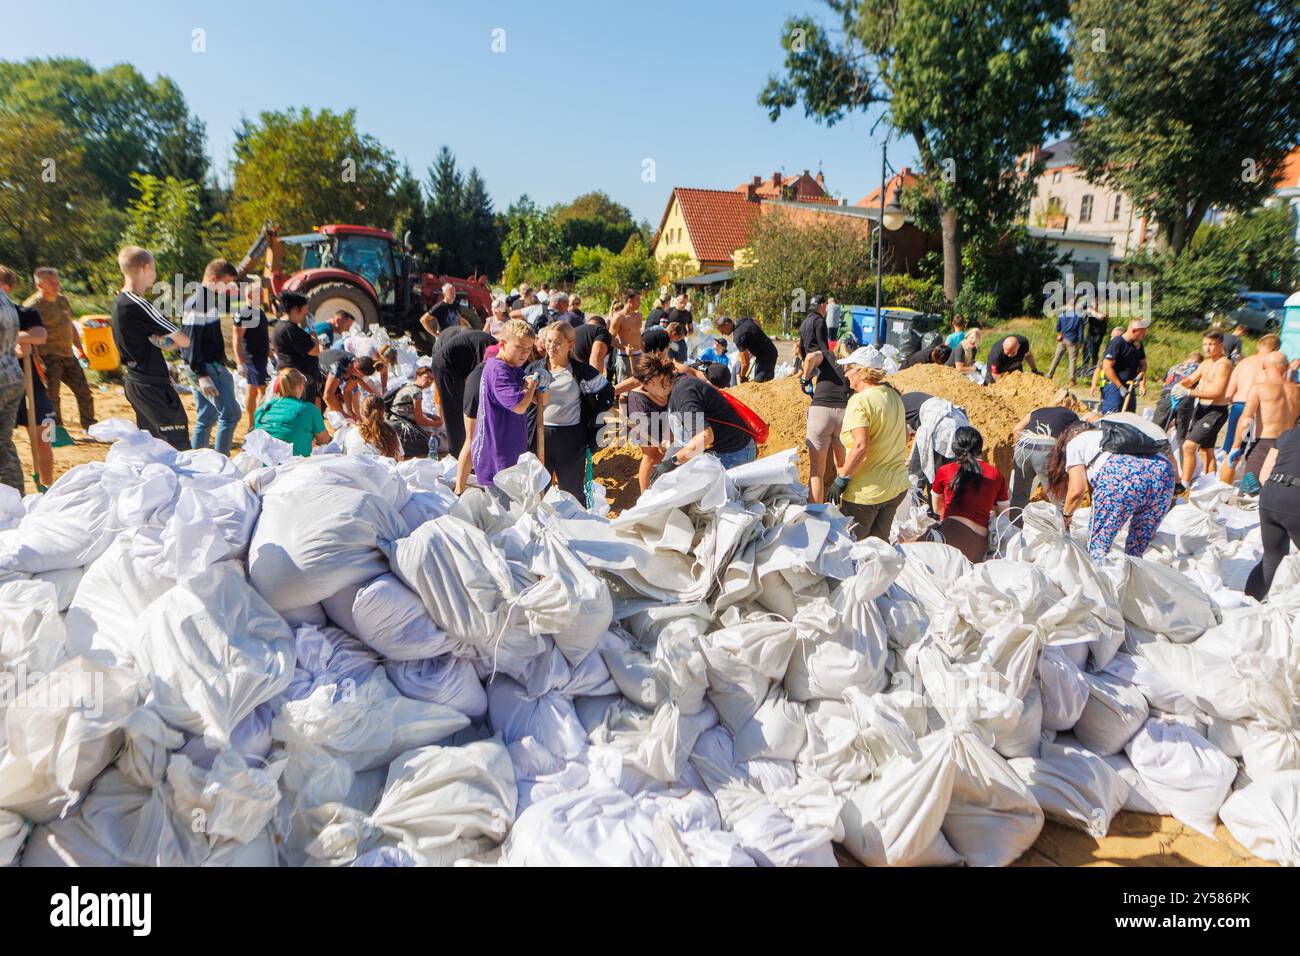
{"points": [[967, 492]]}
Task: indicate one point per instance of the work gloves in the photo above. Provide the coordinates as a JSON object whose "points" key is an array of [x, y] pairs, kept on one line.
{"points": [[663, 468], [836, 491], [209, 389], [806, 385]]}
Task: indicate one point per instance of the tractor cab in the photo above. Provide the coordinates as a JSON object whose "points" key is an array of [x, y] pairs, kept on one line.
{"points": [[387, 274]]}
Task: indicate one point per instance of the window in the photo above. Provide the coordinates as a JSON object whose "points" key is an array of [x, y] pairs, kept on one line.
{"points": [[1115, 208], [370, 258], [1085, 209]]}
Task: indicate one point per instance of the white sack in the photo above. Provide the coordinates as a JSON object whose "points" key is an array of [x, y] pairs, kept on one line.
{"points": [[1185, 771], [1264, 817], [1074, 787], [1115, 711]]}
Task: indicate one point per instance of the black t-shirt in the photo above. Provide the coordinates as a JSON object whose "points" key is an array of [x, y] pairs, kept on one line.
{"points": [[447, 314], [681, 315], [135, 321], [960, 353], [912, 402], [657, 316], [1050, 422], [458, 354], [919, 357], [1288, 453], [28, 318], [291, 345], [588, 335], [1127, 356], [1096, 327], [473, 381], [1231, 345], [749, 337], [257, 335], [1002, 363], [695, 405], [336, 362], [831, 390]]}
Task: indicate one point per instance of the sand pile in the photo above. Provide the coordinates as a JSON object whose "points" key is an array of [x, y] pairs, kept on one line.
{"points": [[987, 412], [1026, 392], [784, 407], [616, 469]]}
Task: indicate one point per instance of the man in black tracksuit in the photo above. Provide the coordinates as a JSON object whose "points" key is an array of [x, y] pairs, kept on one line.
{"points": [[138, 332]]}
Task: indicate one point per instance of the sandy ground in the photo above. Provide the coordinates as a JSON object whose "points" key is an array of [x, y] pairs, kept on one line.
{"points": [[1135, 839]]}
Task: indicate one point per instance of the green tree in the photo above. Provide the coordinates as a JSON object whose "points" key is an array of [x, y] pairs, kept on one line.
{"points": [[123, 122], [167, 218], [482, 242], [975, 86], [302, 169], [593, 219], [51, 211], [1190, 104], [789, 260], [411, 216], [531, 233], [446, 188], [632, 268]]}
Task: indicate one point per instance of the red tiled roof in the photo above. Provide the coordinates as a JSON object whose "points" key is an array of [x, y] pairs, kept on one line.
{"points": [[872, 199], [806, 189], [1289, 177], [717, 221]]}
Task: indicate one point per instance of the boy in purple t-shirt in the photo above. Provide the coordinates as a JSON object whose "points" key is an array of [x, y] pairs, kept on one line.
{"points": [[501, 431]]}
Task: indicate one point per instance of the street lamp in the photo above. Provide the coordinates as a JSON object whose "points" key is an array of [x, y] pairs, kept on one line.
{"points": [[891, 218]]}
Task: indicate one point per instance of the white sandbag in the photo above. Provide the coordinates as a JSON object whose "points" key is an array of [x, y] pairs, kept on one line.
{"points": [[657, 744], [13, 833], [995, 593], [212, 650], [837, 651], [1140, 799], [231, 800], [103, 620], [1114, 712], [1185, 771], [1025, 739], [328, 656], [67, 527], [1160, 694], [65, 581], [1065, 691], [442, 680], [464, 581], [1188, 529], [1165, 602], [1264, 817], [776, 731], [367, 728], [60, 732], [549, 719], [338, 608], [32, 636], [742, 661], [439, 804], [1209, 681], [312, 541], [1074, 787], [251, 739], [392, 620], [212, 521], [895, 819], [147, 748]]}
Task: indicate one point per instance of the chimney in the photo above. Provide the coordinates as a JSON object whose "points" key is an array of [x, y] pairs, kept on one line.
{"points": [[751, 190], [821, 181], [805, 172], [758, 181], [776, 180]]}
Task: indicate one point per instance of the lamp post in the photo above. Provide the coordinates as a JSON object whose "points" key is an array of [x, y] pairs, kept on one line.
{"points": [[891, 218]]}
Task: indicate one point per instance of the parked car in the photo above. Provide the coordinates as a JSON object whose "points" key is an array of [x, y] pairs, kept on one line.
{"points": [[1259, 312]]}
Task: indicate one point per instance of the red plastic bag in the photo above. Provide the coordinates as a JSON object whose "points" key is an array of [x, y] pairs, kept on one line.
{"points": [[755, 427]]}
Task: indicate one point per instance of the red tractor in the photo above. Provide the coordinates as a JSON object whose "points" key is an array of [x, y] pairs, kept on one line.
{"points": [[367, 273]]}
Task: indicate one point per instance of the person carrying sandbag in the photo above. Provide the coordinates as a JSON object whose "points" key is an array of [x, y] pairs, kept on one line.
{"points": [[1124, 461]]}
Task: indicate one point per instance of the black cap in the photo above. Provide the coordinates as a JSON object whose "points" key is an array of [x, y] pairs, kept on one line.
{"points": [[816, 301]]}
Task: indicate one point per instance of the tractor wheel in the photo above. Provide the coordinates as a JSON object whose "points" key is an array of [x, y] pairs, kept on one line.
{"points": [[328, 298]]}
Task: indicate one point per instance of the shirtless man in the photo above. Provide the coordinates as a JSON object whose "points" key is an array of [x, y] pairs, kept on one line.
{"points": [[1273, 404], [625, 327], [1245, 374], [1209, 386]]}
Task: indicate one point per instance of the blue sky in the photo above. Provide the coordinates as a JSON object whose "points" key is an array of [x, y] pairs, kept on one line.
{"points": [[582, 95]]}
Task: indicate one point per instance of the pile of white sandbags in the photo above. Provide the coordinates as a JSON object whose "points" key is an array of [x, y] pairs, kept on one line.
{"points": [[335, 661]]}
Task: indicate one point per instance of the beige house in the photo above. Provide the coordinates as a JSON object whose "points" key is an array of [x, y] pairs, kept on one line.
{"points": [[1065, 201]]}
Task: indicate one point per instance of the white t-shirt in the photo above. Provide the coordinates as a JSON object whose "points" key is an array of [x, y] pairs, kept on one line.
{"points": [[354, 444], [1085, 450], [563, 400]]}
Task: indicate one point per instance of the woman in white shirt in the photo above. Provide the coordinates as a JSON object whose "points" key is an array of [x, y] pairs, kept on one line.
{"points": [[371, 434], [1137, 490]]}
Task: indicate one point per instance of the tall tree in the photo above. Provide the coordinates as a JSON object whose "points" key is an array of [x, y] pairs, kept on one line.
{"points": [[1190, 104], [975, 84], [50, 207], [482, 248], [302, 169], [446, 189], [593, 219], [124, 123], [412, 217], [167, 219]]}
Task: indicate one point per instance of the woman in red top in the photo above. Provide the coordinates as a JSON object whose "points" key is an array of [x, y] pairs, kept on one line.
{"points": [[966, 492]]}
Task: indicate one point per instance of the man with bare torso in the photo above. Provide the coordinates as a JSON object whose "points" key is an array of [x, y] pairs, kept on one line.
{"points": [[625, 328], [1245, 373], [1208, 385], [1273, 405]]}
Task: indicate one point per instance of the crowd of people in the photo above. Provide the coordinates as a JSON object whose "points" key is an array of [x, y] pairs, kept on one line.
{"points": [[539, 374]]}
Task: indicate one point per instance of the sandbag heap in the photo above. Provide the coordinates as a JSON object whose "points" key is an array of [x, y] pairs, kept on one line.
{"points": [[335, 661]]}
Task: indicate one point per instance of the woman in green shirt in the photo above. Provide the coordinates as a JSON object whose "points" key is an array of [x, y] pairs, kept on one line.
{"points": [[290, 419]]}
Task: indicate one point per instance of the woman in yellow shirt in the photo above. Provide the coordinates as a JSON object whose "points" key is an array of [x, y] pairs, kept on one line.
{"points": [[873, 479]]}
